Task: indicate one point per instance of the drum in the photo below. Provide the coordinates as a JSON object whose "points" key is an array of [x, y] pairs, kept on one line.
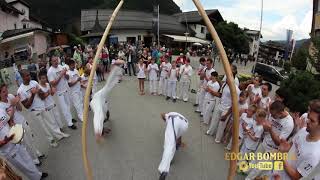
{"points": [[18, 132]]}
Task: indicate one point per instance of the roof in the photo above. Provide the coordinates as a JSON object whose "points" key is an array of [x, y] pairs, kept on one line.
{"points": [[133, 20], [252, 32], [6, 6], [15, 32], [187, 39], [20, 1], [35, 18], [195, 17]]}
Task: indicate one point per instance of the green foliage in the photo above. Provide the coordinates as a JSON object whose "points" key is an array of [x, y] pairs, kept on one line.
{"points": [[75, 40], [300, 88], [287, 66], [299, 60], [233, 37]]}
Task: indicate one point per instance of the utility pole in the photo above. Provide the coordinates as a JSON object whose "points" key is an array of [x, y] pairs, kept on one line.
{"points": [[261, 19]]}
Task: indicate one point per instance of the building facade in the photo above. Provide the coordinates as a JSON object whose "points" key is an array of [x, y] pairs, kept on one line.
{"points": [[253, 41]]}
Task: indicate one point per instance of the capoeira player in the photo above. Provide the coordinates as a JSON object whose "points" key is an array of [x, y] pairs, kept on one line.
{"points": [[201, 68], [206, 75], [57, 77], [165, 68], [75, 88], [176, 126], [185, 81], [16, 154], [6, 102]]}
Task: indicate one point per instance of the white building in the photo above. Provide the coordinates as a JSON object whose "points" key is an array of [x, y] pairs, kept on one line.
{"points": [[20, 31], [254, 41]]}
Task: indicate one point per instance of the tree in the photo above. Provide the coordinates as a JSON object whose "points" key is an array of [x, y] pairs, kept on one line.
{"points": [[300, 88], [233, 37], [299, 60]]}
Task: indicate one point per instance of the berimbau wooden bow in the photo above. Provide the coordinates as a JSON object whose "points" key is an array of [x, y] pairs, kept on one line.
{"points": [[86, 163], [231, 84]]}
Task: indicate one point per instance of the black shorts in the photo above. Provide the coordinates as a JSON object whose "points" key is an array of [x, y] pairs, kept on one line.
{"points": [[142, 78]]}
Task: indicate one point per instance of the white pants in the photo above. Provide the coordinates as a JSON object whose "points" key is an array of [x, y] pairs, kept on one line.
{"points": [[253, 173], [48, 124], [57, 116], [169, 147], [94, 86], [172, 89], [162, 85], [208, 108], [217, 113], [184, 89], [64, 104], [240, 142], [221, 127], [153, 86], [201, 95], [77, 101], [28, 143], [21, 160]]}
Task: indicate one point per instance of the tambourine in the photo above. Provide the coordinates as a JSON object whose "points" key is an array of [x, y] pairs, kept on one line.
{"points": [[18, 132]]}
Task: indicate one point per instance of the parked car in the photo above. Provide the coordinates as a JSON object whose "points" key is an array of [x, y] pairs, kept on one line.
{"points": [[269, 73]]}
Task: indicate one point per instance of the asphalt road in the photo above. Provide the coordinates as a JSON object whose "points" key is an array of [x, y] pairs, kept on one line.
{"points": [[134, 148]]}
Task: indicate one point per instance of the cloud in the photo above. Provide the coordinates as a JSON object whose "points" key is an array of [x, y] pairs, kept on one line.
{"points": [[278, 16]]}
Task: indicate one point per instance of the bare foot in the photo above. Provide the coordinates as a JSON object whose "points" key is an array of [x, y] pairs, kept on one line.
{"points": [[143, 93]]}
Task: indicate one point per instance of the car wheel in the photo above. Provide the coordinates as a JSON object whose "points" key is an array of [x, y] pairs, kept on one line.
{"points": [[278, 83]]}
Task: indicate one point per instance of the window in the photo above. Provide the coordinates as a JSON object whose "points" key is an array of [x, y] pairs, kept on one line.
{"points": [[24, 26], [202, 30], [15, 26], [318, 6]]}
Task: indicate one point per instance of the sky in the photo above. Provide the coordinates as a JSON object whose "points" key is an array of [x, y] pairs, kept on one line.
{"points": [[278, 15]]}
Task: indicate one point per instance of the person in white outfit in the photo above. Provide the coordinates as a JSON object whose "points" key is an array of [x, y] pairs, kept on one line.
{"points": [[6, 102], [206, 75], [172, 82], [254, 90], [164, 71], [211, 89], [200, 71], [176, 126], [32, 98], [221, 113], [75, 88], [16, 154], [278, 127], [185, 81], [57, 77], [304, 147], [141, 75], [89, 67], [153, 76]]}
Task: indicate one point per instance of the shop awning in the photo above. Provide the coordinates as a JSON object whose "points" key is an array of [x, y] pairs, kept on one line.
{"points": [[187, 39], [16, 37]]}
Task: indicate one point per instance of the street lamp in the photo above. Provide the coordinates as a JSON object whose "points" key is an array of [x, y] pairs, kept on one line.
{"points": [[186, 34], [261, 18]]}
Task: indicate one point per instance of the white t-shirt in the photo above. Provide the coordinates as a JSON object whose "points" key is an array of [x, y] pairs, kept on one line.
{"points": [[186, 72], [141, 72], [265, 102], [306, 154], [4, 131], [226, 101], [73, 76], [25, 92], [282, 127], [245, 119], [165, 67], [49, 102], [304, 117], [236, 80], [215, 86], [255, 90], [258, 131], [53, 74], [173, 74], [153, 68], [208, 74], [18, 117]]}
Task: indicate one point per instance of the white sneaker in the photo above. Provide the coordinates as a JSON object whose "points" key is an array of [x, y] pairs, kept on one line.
{"points": [[53, 143], [218, 142], [65, 135]]}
